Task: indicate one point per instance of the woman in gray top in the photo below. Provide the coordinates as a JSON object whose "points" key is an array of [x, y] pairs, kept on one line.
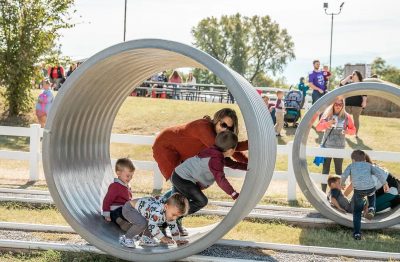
{"points": [[336, 124]]}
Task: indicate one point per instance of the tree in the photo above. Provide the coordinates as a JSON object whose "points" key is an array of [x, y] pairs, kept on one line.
{"points": [[28, 31], [337, 76], [386, 72], [262, 79], [250, 46]]}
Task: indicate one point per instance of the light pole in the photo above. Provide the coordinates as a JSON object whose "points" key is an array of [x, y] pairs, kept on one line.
{"points": [[331, 14], [125, 20]]}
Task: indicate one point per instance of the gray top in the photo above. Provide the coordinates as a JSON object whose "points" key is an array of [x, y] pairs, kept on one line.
{"points": [[208, 167], [361, 175], [335, 138]]}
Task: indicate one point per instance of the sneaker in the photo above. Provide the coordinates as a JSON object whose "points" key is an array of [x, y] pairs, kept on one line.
{"points": [[357, 236], [371, 213], [126, 242], [148, 242], [136, 238]]}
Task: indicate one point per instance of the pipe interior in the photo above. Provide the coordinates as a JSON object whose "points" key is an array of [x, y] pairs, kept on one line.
{"points": [[311, 189], [77, 141]]}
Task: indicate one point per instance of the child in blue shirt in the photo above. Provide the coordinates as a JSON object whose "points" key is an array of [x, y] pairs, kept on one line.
{"points": [[361, 173]]}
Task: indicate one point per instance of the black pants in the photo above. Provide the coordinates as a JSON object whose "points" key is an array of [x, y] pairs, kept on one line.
{"points": [[197, 200], [116, 213], [316, 95], [327, 167]]}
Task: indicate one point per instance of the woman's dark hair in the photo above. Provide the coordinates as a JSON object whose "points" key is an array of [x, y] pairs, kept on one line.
{"points": [[359, 75], [301, 79], [368, 159], [225, 112]]}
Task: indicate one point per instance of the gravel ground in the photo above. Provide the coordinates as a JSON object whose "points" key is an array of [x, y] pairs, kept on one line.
{"points": [[271, 255], [215, 250]]}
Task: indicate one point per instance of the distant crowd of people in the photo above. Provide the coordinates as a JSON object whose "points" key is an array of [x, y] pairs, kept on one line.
{"points": [[56, 74], [52, 79], [174, 79]]}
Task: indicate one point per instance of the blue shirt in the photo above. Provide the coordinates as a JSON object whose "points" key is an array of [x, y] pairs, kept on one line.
{"points": [[361, 175], [317, 78]]}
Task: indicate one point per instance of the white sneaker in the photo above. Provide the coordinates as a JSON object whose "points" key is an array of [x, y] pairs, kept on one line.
{"points": [[126, 242], [136, 238], [148, 242]]}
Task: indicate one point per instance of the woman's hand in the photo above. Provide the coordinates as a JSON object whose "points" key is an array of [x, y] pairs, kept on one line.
{"points": [[330, 123], [108, 219], [386, 188]]}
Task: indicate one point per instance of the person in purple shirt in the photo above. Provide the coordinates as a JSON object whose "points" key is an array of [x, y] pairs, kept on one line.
{"points": [[316, 82]]}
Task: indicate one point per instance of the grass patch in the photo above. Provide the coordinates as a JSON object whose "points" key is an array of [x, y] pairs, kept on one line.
{"points": [[55, 256], [148, 116], [249, 229]]}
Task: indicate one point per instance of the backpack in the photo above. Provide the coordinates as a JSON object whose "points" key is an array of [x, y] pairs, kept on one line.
{"points": [[59, 74], [43, 101]]}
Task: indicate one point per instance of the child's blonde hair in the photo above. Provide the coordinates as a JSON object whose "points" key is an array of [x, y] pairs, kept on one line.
{"points": [[179, 201], [124, 163]]}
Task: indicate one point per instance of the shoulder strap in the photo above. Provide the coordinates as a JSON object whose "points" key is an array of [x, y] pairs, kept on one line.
{"points": [[323, 144]]}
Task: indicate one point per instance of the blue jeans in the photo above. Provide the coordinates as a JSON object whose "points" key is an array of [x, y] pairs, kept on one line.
{"points": [[359, 206], [316, 95]]}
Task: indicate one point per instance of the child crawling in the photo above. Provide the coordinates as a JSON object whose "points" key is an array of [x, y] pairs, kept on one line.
{"points": [[147, 214]]}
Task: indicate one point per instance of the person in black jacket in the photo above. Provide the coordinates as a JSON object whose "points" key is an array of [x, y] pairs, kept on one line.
{"points": [[355, 104]]}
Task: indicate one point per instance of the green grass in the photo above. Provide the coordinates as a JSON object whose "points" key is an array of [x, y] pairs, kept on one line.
{"points": [[55, 256]]}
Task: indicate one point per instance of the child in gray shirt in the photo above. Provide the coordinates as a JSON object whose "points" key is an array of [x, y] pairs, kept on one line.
{"points": [[361, 174]]}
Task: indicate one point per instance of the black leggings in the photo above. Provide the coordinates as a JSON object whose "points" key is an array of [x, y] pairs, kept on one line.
{"points": [[327, 166], [197, 200]]}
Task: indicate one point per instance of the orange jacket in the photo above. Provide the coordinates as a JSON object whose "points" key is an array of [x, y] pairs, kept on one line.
{"points": [[185, 141]]}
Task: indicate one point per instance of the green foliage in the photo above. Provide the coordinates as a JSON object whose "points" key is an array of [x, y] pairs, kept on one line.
{"points": [[28, 32], [386, 72], [249, 45], [261, 79], [337, 75]]}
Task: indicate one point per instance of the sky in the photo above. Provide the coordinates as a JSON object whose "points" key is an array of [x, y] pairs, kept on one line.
{"points": [[364, 30]]}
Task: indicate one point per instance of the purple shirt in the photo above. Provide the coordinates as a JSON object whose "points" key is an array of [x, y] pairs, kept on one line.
{"points": [[317, 78]]}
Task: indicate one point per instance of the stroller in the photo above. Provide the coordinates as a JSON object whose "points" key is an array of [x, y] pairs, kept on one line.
{"points": [[293, 101]]}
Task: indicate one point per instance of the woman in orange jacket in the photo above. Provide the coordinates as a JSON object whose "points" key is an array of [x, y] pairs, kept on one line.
{"points": [[176, 144]]}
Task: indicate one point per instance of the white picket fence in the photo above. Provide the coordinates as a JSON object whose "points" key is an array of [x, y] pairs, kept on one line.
{"points": [[34, 156]]}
